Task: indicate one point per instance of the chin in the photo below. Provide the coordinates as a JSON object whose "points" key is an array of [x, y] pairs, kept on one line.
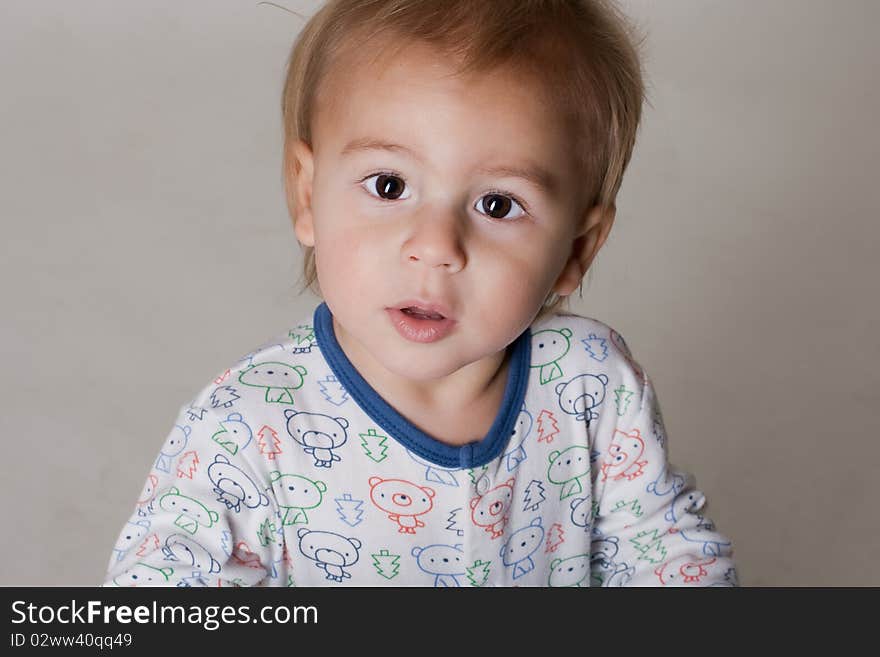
{"points": [[424, 369]]}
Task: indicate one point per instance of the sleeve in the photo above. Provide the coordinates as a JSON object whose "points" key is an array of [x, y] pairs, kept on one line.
{"points": [[203, 518], [647, 526]]}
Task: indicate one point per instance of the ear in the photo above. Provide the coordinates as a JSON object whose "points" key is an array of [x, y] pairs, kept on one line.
{"points": [[591, 235], [299, 171]]}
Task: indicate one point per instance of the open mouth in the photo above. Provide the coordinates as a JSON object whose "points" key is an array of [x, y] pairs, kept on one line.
{"points": [[418, 324], [418, 313]]}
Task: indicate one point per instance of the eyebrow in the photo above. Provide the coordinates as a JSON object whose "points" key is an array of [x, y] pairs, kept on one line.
{"points": [[529, 171]]}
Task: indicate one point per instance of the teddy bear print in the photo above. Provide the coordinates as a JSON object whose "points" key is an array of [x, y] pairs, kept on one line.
{"points": [[704, 535], [548, 348], [612, 574], [621, 461], [233, 486], [603, 547], [403, 501], [581, 395], [174, 445], [234, 434], [582, 511], [566, 469], [692, 502], [331, 552], [143, 575], [684, 571], [190, 553], [515, 453], [277, 378], [444, 562], [703, 532], [574, 571], [130, 534], [605, 571], [148, 494], [318, 434], [192, 514], [517, 552], [295, 494], [489, 510], [666, 483]]}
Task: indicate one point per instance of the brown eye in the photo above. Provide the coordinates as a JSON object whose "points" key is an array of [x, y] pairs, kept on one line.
{"points": [[498, 206], [388, 186]]}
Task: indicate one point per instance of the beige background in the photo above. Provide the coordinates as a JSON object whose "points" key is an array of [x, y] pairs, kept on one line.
{"points": [[146, 247]]}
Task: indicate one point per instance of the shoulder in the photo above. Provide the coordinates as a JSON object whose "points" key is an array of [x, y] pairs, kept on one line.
{"points": [[585, 345], [281, 362]]}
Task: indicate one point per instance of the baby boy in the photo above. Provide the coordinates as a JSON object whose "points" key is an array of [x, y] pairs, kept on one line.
{"points": [[451, 169]]}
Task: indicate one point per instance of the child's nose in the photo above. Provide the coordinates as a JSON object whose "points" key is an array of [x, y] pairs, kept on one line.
{"points": [[436, 242]]}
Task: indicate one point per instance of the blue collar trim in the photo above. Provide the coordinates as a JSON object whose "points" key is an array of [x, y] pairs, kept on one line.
{"points": [[405, 432]]}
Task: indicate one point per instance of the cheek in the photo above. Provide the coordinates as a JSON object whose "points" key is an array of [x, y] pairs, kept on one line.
{"points": [[521, 279], [348, 277], [344, 253]]}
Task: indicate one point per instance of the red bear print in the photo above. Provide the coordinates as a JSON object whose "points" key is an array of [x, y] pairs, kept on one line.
{"points": [[489, 510], [403, 500], [683, 570], [621, 461]]}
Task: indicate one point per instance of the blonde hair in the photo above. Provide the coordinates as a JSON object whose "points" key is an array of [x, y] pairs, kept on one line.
{"points": [[582, 53]]}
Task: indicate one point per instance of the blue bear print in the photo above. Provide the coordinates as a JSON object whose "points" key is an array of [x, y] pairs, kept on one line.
{"points": [[141, 574], [131, 534], [273, 535], [581, 395], [683, 504], [517, 552], [192, 581], [666, 484], [516, 454], [619, 574], [318, 434], [603, 548], [187, 551], [331, 552], [713, 548], [174, 445], [691, 504], [604, 570], [233, 486], [582, 512], [445, 562]]}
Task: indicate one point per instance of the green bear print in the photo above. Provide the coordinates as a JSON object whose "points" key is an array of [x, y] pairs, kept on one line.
{"points": [[277, 378], [193, 514], [548, 348], [566, 469], [295, 494], [574, 571]]}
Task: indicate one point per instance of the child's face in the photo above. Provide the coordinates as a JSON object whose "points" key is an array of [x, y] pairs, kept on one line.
{"points": [[488, 246]]}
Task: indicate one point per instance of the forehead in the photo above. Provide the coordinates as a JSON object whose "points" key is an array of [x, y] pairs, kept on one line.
{"points": [[414, 98]]}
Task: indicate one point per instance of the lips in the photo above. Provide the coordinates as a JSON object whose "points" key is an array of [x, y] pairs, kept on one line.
{"points": [[414, 326], [424, 309], [420, 314]]}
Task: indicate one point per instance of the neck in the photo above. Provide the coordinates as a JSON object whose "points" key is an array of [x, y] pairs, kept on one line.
{"points": [[469, 387]]}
